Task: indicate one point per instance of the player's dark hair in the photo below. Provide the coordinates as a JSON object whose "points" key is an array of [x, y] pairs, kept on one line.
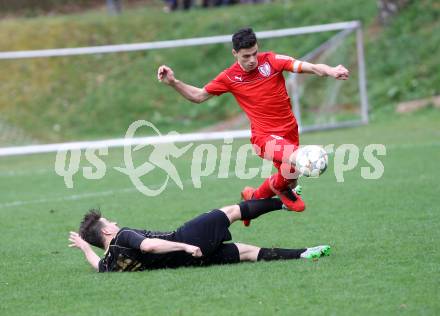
{"points": [[90, 228], [244, 38]]}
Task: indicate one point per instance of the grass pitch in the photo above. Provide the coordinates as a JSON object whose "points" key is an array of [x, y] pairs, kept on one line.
{"points": [[384, 235]]}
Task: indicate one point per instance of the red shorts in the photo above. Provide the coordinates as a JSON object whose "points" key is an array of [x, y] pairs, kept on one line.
{"points": [[276, 148]]}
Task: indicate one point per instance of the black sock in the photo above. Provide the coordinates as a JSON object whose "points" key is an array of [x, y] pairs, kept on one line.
{"points": [[269, 254], [253, 208]]}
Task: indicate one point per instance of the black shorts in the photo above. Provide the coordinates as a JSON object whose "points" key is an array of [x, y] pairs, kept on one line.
{"points": [[209, 231]]}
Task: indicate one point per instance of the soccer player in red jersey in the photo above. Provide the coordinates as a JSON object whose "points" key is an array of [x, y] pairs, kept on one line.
{"points": [[256, 80]]}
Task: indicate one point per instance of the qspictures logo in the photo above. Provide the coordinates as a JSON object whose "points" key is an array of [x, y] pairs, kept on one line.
{"points": [[207, 160]]}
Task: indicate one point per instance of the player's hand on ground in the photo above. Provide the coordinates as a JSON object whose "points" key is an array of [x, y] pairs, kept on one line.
{"points": [[76, 241], [166, 75], [340, 72], [194, 251]]}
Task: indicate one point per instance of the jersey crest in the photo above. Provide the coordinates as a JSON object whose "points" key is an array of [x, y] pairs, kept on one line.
{"points": [[265, 69]]}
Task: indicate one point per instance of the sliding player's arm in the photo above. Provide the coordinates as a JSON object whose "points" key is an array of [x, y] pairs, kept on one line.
{"points": [[77, 242], [194, 94], [339, 72], [156, 245]]}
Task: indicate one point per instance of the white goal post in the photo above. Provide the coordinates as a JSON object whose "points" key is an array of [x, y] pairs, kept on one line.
{"points": [[345, 29]]}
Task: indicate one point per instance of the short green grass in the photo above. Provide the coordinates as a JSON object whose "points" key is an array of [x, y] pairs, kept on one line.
{"points": [[384, 235]]}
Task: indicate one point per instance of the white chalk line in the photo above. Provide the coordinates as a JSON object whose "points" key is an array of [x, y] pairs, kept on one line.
{"points": [[75, 197], [66, 198]]}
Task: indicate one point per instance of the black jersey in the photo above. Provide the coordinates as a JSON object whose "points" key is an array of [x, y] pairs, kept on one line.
{"points": [[207, 231], [124, 253]]}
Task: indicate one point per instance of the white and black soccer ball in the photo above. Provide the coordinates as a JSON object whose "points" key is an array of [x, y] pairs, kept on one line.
{"points": [[311, 160]]}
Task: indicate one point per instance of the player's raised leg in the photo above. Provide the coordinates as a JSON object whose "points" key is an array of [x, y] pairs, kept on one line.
{"points": [[276, 184], [247, 210], [281, 150], [246, 195], [291, 200], [253, 253]]}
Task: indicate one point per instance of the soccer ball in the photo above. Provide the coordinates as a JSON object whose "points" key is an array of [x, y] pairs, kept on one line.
{"points": [[311, 160]]}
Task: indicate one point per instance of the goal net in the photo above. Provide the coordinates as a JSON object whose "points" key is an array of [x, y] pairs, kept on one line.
{"points": [[88, 96], [323, 103]]}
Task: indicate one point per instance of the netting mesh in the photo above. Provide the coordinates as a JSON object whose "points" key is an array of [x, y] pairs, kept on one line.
{"points": [[322, 101], [97, 96]]}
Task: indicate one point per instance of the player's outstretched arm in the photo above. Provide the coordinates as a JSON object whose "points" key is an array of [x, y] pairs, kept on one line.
{"points": [[197, 95], [339, 72], [156, 245], [77, 242]]}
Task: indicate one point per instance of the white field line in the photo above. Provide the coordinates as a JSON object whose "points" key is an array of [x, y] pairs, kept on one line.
{"points": [[45, 171], [75, 197], [81, 196], [66, 198], [33, 172]]}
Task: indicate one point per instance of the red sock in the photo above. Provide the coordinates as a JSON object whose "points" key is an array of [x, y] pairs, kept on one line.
{"points": [[279, 182], [264, 191]]}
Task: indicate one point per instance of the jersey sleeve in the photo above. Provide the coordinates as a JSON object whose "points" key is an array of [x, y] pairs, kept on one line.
{"points": [[286, 63], [102, 266], [217, 86], [129, 238]]}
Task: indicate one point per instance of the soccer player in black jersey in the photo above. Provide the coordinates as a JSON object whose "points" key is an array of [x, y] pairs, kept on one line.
{"points": [[200, 242]]}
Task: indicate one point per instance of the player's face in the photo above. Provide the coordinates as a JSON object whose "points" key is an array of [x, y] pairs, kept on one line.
{"points": [[247, 57], [109, 226]]}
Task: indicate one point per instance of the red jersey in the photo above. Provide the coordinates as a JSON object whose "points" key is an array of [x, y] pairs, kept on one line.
{"points": [[261, 93]]}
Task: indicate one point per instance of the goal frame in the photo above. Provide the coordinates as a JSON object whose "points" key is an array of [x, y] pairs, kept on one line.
{"points": [[345, 29]]}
